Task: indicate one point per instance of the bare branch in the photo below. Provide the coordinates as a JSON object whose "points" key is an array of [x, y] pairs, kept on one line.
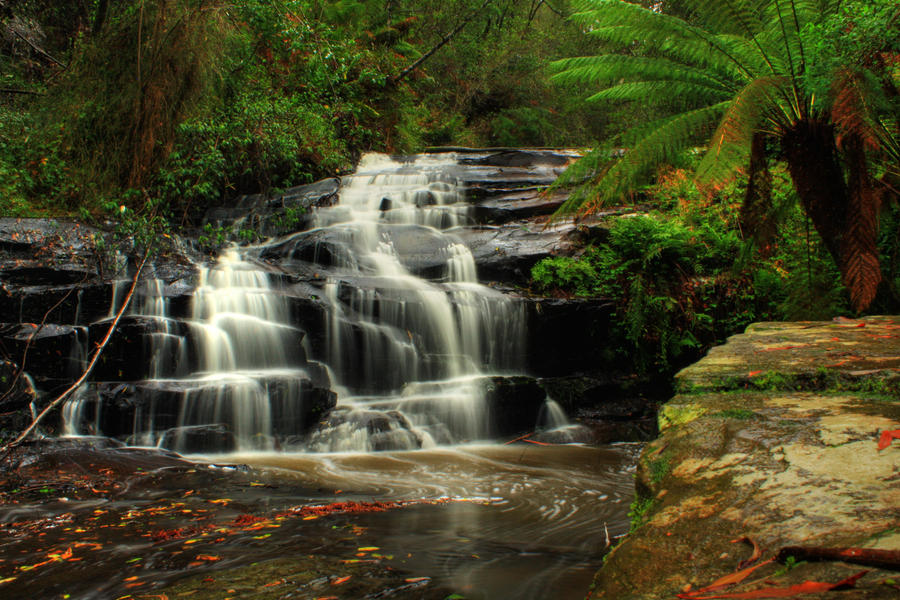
{"points": [[62, 397]]}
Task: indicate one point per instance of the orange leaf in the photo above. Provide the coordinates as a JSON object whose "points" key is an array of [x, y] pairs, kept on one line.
{"points": [[886, 437], [341, 580], [753, 373], [757, 553], [732, 578], [807, 587]]}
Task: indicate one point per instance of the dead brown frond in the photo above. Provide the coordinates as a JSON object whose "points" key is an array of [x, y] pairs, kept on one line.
{"points": [[850, 111], [860, 266]]}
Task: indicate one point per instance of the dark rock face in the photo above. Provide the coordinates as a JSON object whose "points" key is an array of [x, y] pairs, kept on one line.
{"points": [[53, 272], [276, 215], [568, 336], [514, 403], [199, 438]]}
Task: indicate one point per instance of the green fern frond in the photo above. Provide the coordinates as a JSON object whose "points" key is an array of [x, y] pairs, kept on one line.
{"points": [[739, 17], [654, 90], [729, 147], [669, 137], [608, 69]]}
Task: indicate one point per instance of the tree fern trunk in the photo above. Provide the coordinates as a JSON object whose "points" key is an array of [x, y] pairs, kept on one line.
{"points": [[844, 213], [757, 219], [811, 154]]}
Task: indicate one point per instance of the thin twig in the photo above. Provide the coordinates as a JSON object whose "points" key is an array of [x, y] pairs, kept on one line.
{"points": [[17, 91], [39, 50], [34, 333]]}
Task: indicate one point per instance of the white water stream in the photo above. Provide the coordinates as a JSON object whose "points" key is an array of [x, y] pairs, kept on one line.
{"points": [[411, 334]]}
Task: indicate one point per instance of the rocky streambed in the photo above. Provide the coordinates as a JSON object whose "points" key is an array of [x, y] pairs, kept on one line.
{"points": [[774, 446]]}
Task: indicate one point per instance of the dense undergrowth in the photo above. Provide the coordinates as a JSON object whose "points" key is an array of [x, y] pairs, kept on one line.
{"points": [[189, 103], [683, 276]]}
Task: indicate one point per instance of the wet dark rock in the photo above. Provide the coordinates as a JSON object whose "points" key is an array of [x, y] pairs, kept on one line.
{"points": [[506, 253], [199, 438], [78, 304], [56, 351], [520, 158], [568, 336], [16, 395], [276, 214], [519, 205], [514, 403], [129, 354]]}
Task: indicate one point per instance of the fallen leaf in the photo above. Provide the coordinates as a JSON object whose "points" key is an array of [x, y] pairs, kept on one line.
{"points": [[341, 580], [886, 437], [807, 587], [757, 553], [731, 578]]}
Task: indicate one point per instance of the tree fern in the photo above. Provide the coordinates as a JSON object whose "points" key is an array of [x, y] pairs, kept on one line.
{"points": [[735, 73]]}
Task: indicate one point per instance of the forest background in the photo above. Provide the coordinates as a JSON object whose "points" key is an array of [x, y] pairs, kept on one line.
{"points": [[148, 112]]}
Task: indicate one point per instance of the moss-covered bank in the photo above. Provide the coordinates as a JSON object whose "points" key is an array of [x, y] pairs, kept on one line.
{"points": [[772, 436]]}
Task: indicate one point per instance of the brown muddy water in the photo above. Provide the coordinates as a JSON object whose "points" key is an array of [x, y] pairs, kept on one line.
{"points": [[479, 522]]}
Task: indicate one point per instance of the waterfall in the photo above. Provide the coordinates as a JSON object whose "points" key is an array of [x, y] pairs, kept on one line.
{"points": [[415, 344], [409, 334]]}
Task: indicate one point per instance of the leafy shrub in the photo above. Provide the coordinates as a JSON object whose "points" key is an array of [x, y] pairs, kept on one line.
{"points": [[574, 275]]}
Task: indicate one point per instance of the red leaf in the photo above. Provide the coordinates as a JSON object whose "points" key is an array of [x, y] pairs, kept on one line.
{"points": [[730, 579], [807, 587], [886, 437], [753, 373]]}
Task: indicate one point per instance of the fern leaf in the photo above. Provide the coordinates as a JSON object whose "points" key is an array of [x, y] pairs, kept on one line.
{"points": [[730, 145], [642, 90], [668, 138]]}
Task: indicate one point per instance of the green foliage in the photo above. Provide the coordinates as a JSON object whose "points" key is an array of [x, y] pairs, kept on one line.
{"points": [[197, 101], [790, 564], [567, 274], [659, 468], [639, 511], [682, 279], [213, 238], [816, 78], [669, 281]]}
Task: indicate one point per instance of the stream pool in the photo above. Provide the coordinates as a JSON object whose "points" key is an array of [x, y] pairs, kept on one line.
{"points": [[483, 522]]}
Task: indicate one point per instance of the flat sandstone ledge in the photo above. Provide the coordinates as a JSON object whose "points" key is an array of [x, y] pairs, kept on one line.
{"points": [[773, 436]]}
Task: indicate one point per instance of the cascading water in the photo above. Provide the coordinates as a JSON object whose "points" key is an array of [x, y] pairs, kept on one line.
{"points": [[410, 334], [226, 378], [417, 345], [371, 332]]}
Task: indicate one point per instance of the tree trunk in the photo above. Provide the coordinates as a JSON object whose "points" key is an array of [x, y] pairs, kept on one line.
{"points": [[811, 154], [100, 16], [845, 214], [756, 217]]}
